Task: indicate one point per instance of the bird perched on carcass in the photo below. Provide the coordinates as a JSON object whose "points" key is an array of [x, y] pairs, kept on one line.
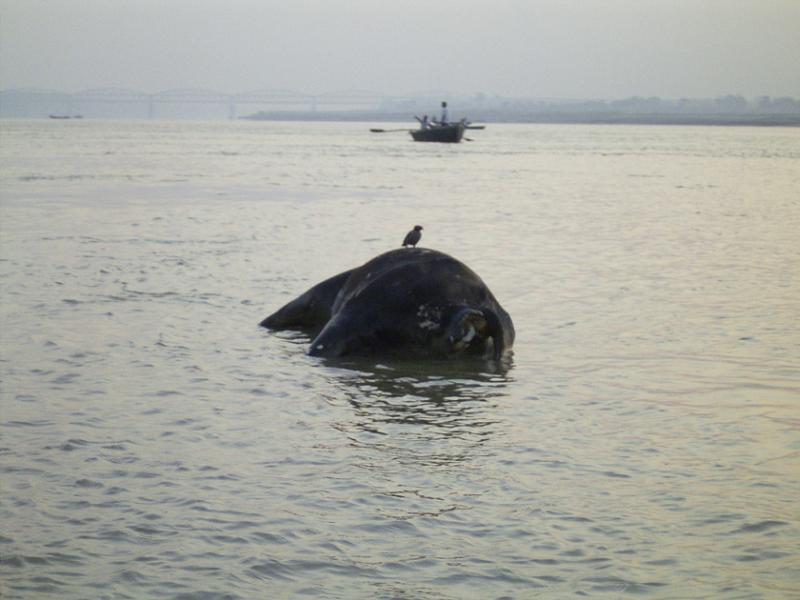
{"points": [[413, 236]]}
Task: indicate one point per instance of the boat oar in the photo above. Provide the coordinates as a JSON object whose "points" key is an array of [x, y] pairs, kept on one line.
{"points": [[387, 130]]}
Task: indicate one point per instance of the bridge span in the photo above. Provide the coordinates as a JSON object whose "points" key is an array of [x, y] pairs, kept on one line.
{"points": [[175, 102]]}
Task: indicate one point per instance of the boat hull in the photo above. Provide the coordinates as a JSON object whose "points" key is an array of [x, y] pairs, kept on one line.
{"points": [[450, 134]]}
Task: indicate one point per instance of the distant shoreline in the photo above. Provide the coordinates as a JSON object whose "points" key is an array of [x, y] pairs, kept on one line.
{"points": [[282, 105], [756, 120], [555, 118]]}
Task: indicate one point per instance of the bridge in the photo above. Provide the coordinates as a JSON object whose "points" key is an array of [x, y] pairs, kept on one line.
{"points": [[97, 101]]}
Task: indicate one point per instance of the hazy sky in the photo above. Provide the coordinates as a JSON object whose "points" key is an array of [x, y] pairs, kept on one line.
{"points": [[523, 48]]}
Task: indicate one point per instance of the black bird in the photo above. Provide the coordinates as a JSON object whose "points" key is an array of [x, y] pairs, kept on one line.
{"points": [[412, 237]]}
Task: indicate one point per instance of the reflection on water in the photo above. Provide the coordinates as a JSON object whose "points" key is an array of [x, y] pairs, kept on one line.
{"points": [[437, 412]]}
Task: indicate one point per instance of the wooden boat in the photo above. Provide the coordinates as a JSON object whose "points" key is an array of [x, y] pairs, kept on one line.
{"points": [[451, 133]]}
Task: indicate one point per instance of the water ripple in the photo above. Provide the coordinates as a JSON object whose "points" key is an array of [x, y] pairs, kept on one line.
{"points": [[156, 443]]}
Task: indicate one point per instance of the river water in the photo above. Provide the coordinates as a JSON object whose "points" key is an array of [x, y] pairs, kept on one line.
{"points": [[156, 443]]}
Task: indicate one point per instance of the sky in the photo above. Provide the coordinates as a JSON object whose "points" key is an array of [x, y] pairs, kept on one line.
{"points": [[579, 49]]}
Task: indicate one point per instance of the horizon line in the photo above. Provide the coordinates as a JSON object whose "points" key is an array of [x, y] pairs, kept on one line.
{"points": [[371, 93]]}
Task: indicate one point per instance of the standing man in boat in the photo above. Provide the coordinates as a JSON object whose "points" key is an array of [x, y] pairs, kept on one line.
{"points": [[443, 120]]}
